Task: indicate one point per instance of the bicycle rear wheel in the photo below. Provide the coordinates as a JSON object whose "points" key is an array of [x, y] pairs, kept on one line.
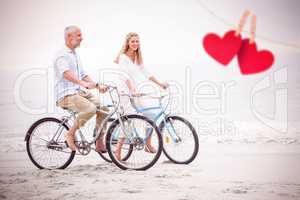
{"points": [[140, 133], [181, 143], [45, 144]]}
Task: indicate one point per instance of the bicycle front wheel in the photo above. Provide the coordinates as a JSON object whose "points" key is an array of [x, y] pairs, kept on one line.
{"points": [[105, 156], [181, 143], [138, 140], [45, 144]]}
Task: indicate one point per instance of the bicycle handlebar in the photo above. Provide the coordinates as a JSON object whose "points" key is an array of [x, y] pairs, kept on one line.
{"points": [[149, 95], [111, 88]]}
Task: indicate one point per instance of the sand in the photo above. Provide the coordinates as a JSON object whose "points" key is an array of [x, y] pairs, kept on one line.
{"points": [[221, 171]]}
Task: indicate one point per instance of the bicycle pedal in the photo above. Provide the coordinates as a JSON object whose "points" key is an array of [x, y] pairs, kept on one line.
{"points": [[67, 146]]}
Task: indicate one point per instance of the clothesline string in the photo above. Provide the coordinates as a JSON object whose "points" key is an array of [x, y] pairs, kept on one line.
{"points": [[225, 22]]}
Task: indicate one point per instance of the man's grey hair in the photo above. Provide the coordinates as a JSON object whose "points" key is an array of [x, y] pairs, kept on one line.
{"points": [[70, 29]]}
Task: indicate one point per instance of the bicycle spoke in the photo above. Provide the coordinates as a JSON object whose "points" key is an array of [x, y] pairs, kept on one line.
{"points": [[181, 140], [133, 147], [46, 153]]}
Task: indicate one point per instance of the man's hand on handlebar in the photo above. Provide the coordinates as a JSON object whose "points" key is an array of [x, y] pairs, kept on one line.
{"points": [[102, 88], [90, 85], [87, 85], [137, 94], [164, 85]]}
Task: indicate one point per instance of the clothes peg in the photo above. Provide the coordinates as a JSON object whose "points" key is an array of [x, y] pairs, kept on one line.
{"points": [[250, 59], [242, 22], [252, 29]]}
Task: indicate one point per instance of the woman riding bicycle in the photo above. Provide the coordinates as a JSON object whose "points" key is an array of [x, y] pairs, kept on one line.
{"points": [[131, 63]]}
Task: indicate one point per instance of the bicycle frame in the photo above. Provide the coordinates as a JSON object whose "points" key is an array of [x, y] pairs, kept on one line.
{"points": [[117, 111], [160, 117]]}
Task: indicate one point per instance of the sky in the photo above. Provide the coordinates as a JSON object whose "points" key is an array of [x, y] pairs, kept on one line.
{"points": [[171, 31], [171, 34]]}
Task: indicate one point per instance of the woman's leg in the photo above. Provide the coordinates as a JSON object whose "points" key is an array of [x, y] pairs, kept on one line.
{"points": [[118, 150], [149, 148]]}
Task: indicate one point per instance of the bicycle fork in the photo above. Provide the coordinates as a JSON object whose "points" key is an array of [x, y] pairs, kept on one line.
{"points": [[171, 130]]}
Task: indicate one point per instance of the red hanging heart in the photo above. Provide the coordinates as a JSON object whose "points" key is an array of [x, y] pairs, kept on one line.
{"points": [[252, 61], [223, 49]]}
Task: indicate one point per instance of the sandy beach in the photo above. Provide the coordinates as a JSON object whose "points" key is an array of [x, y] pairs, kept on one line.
{"points": [[221, 171], [248, 125]]}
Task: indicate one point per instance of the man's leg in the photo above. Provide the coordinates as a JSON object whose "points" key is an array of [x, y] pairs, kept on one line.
{"points": [[85, 110], [70, 137], [100, 116], [100, 142]]}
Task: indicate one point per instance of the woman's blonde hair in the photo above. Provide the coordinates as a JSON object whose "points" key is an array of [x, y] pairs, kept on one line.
{"points": [[138, 54]]}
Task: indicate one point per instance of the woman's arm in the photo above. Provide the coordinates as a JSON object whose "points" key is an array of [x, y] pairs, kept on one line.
{"points": [[162, 85], [125, 78], [150, 77], [131, 87]]}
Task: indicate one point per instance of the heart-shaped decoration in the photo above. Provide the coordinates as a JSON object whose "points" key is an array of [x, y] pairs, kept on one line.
{"points": [[252, 61], [223, 49]]}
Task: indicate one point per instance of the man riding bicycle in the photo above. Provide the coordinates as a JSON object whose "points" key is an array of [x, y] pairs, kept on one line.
{"points": [[70, 88]]}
